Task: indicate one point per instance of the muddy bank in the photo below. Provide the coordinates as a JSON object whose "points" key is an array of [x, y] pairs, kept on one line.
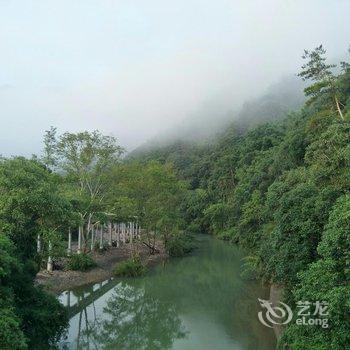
{"points": [[60, 280]]}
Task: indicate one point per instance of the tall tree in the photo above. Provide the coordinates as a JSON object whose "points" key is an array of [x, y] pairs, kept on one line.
{"points": [[325, 80], [85, 160]]}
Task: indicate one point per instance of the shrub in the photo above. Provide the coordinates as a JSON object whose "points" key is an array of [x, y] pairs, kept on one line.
{"points": [[179, 245], [80, 262], [11, 335], [132, 267]]}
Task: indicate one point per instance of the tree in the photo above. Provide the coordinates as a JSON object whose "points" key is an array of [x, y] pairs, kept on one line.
{"points": [[85, 160], [319, 71], [30, 204]]}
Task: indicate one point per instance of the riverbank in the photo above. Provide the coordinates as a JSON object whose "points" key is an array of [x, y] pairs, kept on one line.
{"points": [[61, 280]]}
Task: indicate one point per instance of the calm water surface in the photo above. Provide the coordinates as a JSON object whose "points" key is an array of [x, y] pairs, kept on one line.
{"points": [[199, 302]]}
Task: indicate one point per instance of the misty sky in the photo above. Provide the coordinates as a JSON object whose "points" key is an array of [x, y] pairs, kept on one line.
{"points": [[134, 68]]}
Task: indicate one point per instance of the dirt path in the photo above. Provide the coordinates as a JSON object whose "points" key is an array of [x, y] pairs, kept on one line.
{"points": [[60, 280]]}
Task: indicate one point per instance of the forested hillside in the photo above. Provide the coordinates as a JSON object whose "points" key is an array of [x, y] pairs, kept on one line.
{"points": [[281, 190]]}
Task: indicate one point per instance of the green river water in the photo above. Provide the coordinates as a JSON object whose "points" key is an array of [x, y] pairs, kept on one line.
{"points": [[199, 302]]}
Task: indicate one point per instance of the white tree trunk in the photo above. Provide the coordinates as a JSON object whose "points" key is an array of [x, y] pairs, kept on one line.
{"points": [[131, 231], [88, 227], [38, 244], [69, 249], [49, 259], [338, 107], [79, 240], [92, 238], [110, 233], [101, 237], [124, 232]]}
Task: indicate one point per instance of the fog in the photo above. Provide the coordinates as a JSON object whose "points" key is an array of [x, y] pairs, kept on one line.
{"points": [[136, 69]]}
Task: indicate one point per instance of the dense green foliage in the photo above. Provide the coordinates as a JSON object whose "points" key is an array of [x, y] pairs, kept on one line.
{"points": [[132, 267], [11, 334], [30, 204], [328, 279], [281, 190], [80, 262], [179, 245]]}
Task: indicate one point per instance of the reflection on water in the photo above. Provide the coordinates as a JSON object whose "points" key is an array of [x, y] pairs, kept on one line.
{"points": [[197, 302]]}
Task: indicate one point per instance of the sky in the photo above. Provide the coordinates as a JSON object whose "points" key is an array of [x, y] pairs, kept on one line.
{"points": [[136, 68]]}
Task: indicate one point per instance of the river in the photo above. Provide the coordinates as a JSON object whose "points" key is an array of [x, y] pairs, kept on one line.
{"points": [[199, 302]]}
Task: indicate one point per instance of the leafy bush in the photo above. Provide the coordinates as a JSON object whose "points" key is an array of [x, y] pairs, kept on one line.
{"points": [[11, 335], [80, 262], [132, 267], [179, 245]]}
